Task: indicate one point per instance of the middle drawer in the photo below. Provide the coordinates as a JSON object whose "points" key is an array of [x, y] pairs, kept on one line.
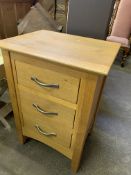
{"points": [[37, 106]]}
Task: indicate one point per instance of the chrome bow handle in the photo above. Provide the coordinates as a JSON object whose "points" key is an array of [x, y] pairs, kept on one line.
{"points": [[44, 132], [42, 111], [42, 84]]}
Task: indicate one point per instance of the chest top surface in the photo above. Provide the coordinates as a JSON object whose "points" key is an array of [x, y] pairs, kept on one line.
{"points": [[77, 52]]}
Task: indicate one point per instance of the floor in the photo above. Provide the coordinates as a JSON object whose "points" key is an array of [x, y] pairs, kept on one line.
{"points": [[107, 151]]}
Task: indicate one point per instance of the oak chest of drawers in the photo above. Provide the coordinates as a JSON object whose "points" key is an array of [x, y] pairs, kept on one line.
{"points": [[55, 82]]}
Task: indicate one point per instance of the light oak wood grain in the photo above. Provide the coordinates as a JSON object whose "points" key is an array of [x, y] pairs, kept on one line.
{"points": [[44, 64], [68, 86], [32, 133], [85, 115], [12, 91], [27, 131], [64, 119], [63, 136], [80, 53], [79, 65], [98, 94]]}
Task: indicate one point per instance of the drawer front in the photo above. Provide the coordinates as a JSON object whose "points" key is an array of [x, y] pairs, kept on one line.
{"points": [[38, 129], [39, 107], [48, 81]]}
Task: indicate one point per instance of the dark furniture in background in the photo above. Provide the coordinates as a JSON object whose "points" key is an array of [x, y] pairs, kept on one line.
{"points": [[10, 13], [90, 18]]}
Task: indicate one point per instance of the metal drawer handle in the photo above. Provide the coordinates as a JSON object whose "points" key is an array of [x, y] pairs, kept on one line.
{"points": [[43, 111], [40, 83], [44, 132]]}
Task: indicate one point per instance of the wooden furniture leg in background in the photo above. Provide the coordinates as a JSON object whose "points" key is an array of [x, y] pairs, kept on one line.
{"points": [[4, 111], [125, 56], [5, 105], [55, 9], [66, 7]]}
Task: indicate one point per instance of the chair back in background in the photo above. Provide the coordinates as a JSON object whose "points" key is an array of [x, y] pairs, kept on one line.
{"points": [[90, 18], [122, 23]]}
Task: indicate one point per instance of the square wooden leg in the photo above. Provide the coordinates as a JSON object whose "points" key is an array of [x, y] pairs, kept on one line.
{"points": [[125, 56]]}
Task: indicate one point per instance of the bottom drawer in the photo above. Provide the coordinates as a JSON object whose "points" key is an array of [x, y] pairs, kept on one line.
{"points": [[47, 134]]}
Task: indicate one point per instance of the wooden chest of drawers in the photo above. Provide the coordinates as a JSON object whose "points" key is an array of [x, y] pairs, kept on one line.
{"points": [[55, 82]]}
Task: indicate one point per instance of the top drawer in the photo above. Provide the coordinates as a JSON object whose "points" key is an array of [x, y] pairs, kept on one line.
{"points": [[48, 81]]}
